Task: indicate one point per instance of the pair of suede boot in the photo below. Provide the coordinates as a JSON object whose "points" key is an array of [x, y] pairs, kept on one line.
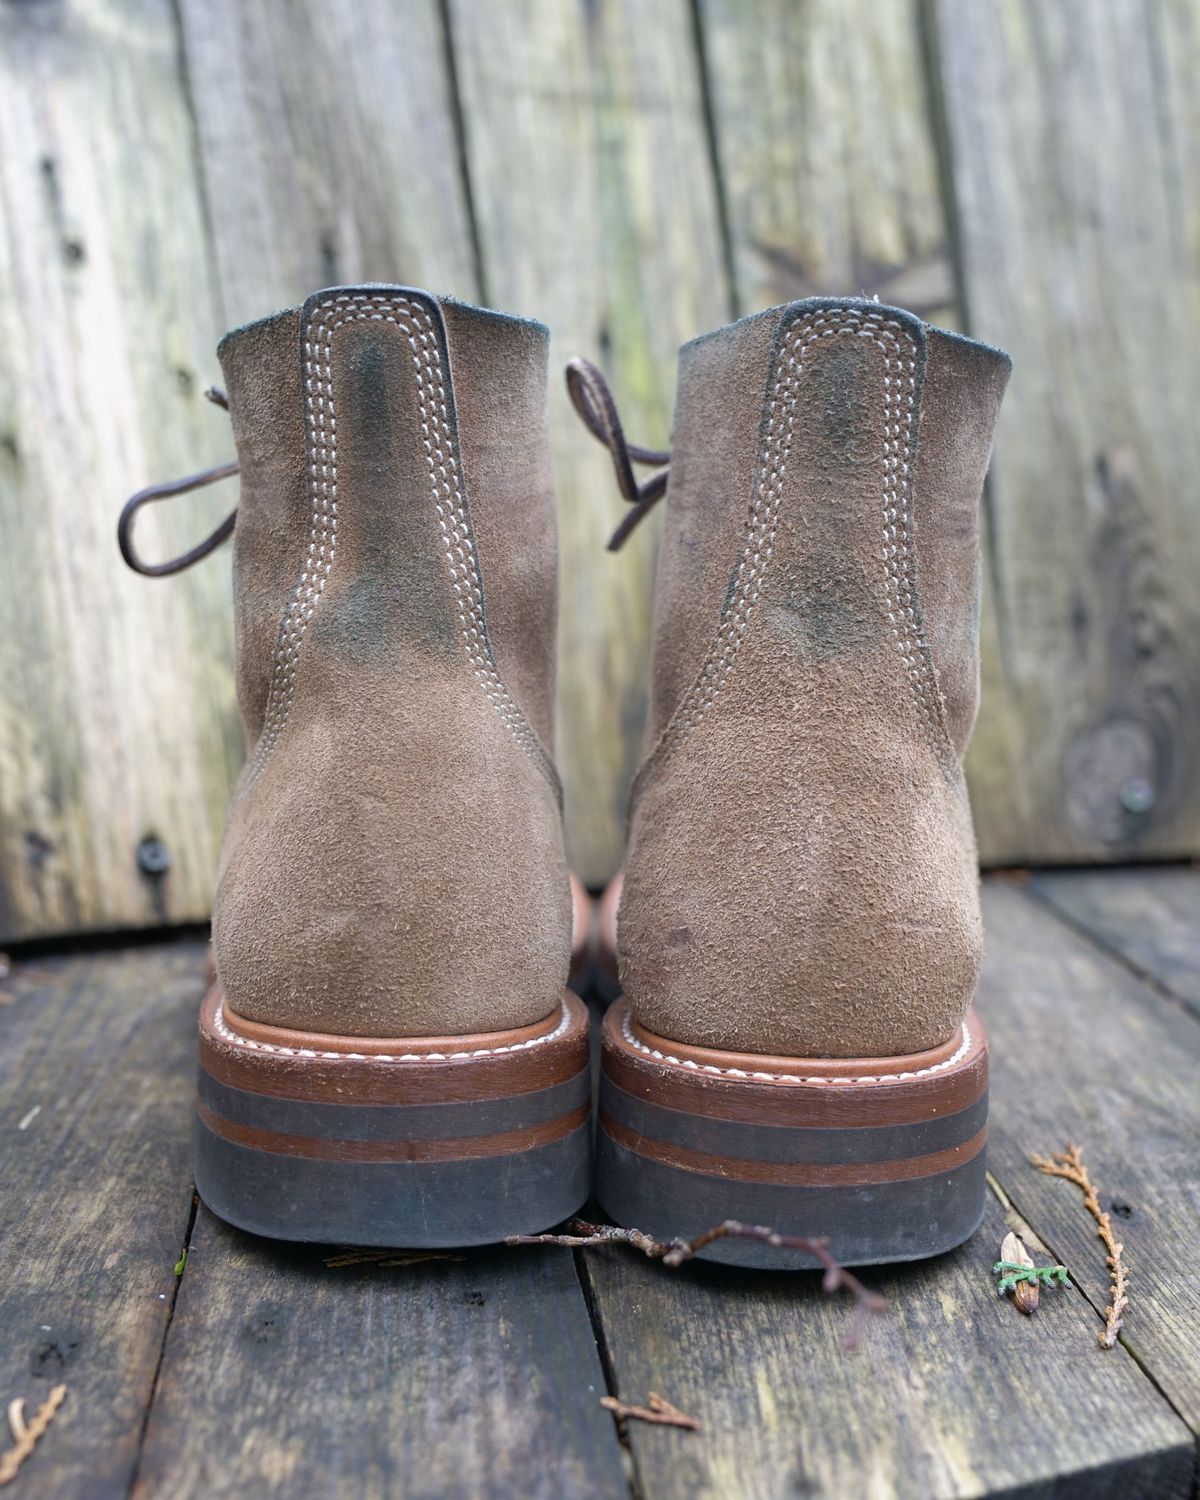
{"points": [[389, 1054]]}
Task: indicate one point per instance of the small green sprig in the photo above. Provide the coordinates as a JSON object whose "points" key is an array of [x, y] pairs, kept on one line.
{"points": [[1011, 1272]]}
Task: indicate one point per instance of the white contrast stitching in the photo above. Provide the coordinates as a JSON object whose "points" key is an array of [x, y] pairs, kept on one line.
{"points": [[227, 1034], [321, 438], [695, 1067], [900, 604]]}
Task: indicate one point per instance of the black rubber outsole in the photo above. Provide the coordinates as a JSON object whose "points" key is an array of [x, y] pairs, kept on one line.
{"points": [[415, 1143], [883, 1159]]}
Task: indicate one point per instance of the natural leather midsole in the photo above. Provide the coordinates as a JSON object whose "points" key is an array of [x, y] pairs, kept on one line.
{"points": [[796, 1174], [285, 1040], [737, 1140], [811, 1094], [461, 1069], [320, 1148]]}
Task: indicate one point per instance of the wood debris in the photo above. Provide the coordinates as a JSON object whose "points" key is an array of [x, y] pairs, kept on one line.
{"points": [[582, 1235], [1026, 1293], [386, 1259], [25, 1435], [1069, 1164], [657, 1409]]}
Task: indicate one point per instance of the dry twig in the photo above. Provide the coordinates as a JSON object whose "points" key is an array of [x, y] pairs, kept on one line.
{"points": [[1069, 1164], [25, 1436], [582, 1235], [657, 1409]]}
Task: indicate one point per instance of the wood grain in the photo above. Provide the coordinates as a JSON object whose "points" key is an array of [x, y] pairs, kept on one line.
{"points": [[459, 1376], [328, 147], [827, 153], [957, 1394], [596, 205], [954, 1393], [96, 1062], [284, 1374], [117, 720], [1074, 133], [1084, 1052], [1148, 917]]}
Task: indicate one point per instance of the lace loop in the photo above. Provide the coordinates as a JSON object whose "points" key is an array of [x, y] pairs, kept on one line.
{"points": [[164, 492], [593, 400]]}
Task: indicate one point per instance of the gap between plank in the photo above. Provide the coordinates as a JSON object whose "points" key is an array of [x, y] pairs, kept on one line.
{"points": [[607, 1365], [733, 299], [1011, 1202], [135, 1474], [459, 119], [1015, 1200], [1046, 902]]}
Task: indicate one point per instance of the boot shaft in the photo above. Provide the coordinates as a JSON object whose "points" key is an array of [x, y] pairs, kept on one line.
{"points": [[801, 871], [393, 862], [862, 437], [393, 455]]}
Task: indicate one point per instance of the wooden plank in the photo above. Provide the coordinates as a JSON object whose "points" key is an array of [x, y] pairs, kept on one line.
{"points": [[472, 1375], [608, 230], [957, 1394], [827, 153], [1148, 917], [116, 702], [329, 150], [954, 1394], [97, 1055], [1074, 132], [1083, 1051]]}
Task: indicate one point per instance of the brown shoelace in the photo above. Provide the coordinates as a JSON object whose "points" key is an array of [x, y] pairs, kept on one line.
{"points": [[590, 395], [164, 492], [594, 402]]}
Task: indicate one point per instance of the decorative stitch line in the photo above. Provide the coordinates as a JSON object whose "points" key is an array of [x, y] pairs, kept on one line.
{"points": [[695, 1067], [321, 437], [227, 1034], [899, 385]]}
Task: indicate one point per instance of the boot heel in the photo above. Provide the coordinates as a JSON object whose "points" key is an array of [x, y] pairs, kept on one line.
{"points": [[416, 1142], [884, 1157]]}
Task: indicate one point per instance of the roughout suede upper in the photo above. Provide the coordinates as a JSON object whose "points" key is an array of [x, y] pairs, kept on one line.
{"points": [[393, 861], [801, 873]]}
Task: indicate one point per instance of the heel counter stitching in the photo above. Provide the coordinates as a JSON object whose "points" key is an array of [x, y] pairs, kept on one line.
{"points": [[227, 1034], [416, 324], [901, 605], [824, 1079]]}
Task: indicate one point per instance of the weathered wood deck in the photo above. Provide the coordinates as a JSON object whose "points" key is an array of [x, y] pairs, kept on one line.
{"points": [[270, 1370]]}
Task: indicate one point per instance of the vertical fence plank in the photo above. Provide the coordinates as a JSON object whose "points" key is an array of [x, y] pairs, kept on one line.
{"points": [[329, 148], [597, 212], [827, 154], [116, 700], [1074, 130]]}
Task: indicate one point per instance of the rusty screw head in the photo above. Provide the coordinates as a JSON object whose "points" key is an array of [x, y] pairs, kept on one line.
{"points": [[153, 857], [1137, 795]]}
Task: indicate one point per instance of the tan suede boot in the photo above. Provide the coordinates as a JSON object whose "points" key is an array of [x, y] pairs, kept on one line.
{"points": [[388, 1055], [799, 932]]}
